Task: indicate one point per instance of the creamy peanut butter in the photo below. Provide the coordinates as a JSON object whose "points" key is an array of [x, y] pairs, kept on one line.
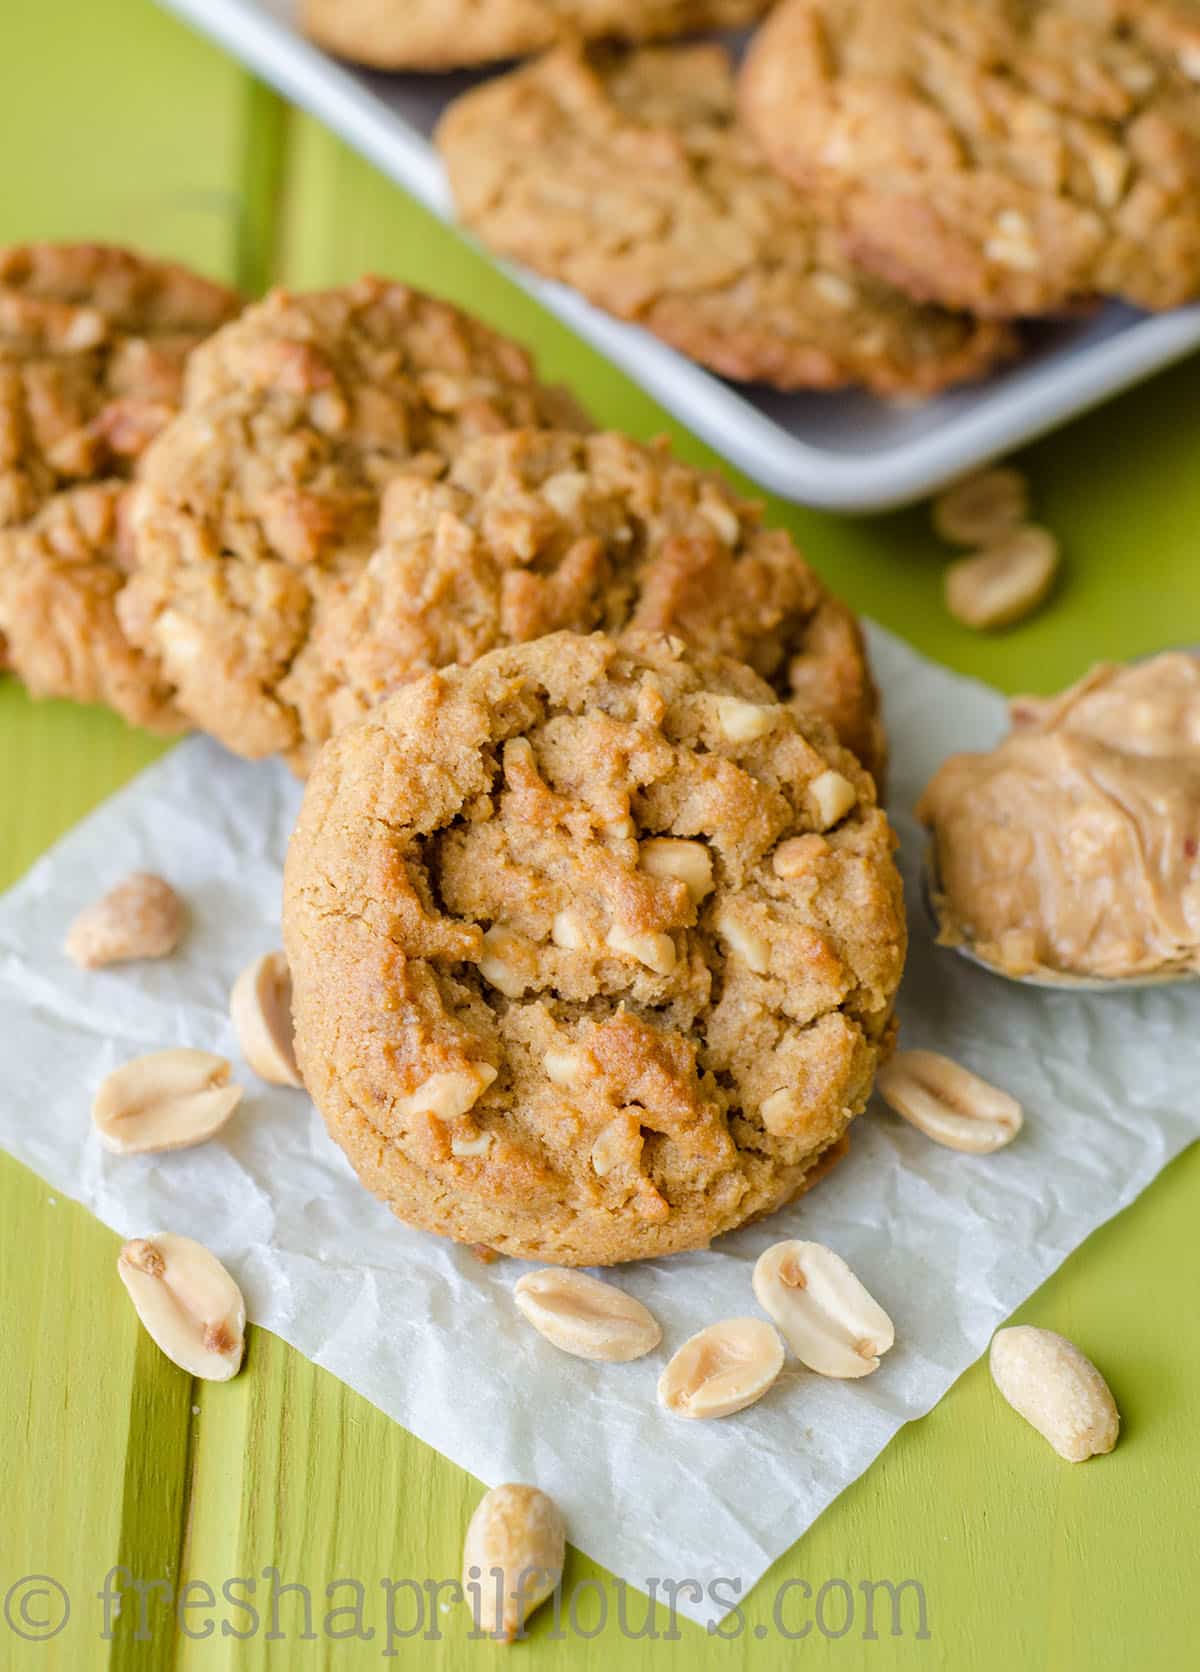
{"points": [[1075, 845]]}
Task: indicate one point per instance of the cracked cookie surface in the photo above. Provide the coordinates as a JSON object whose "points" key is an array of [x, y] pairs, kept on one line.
{"points": [[594, 948], [533, 532], [994, 154], [259, 503], [93, 344], [629, 176], [453, 34]]}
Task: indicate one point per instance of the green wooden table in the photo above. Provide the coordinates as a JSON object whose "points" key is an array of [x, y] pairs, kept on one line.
{"points": [[118, 123]]}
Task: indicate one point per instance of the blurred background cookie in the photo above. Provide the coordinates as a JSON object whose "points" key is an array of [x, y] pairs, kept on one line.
{"points": [[628, 176], [991, 154], [453, 34]]}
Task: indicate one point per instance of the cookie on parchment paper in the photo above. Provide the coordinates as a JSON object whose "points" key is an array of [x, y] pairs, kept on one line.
{"points": [[594, 948]]}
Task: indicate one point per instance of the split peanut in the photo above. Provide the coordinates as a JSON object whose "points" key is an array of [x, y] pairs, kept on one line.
{"points": [[583, 1316], [1005, 582], [722, 1369], [982, 508], [142, 917], [948, 1103], [188, 1303], [513, 1557], [825, 1314], [1059, 1391], [164, 1101], [261, 1008]]}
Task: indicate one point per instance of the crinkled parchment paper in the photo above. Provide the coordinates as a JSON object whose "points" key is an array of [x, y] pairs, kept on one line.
{"points": [[949, 1243]]}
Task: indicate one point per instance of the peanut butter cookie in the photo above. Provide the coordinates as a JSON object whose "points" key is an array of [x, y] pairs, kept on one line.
{"points": [[532, 532], [594, 948], [628, 176], [452, 34], [992, 154], [259, 503], [93, 342]]}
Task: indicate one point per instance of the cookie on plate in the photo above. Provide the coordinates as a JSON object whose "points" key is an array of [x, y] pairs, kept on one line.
{"points": [[453, 34], [259, 503], [628, 176], [594, 948], [533, 532], [991, 154], [93, 343]]}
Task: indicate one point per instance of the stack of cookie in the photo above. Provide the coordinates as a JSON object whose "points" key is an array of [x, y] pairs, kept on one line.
{"points": [[592, 912], [873, 199], [348, 489]]}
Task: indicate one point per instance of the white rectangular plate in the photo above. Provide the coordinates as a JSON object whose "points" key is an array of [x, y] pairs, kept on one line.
{"points": [[844, 451]]}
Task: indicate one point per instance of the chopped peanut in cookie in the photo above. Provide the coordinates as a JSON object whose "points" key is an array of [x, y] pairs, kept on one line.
{"points": [[554, 991]]}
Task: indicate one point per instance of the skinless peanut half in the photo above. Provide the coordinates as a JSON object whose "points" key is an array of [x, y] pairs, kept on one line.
{"points": [[513, 1557], [1049, 1382], [722, 1369], [142, 917], [1005, 582], [825, 1314], [261, 1008], [188, 1303], [164, 1101], [948, 1103], [983, 507], [583, 1316]]}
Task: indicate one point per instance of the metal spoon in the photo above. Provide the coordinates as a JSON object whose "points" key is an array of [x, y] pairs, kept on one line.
{"points": [[1059, 980]]}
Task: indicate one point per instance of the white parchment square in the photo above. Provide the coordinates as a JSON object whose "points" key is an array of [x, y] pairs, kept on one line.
{"points": [[950, 1244]]}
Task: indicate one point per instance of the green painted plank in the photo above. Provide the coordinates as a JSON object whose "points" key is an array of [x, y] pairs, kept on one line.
{"points": [[131, 130]]}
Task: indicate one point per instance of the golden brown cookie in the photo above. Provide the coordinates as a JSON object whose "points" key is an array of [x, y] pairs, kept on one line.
{"points": [[93, 342], [536, 531], [993, 154], [260, 502], [594, 948], [452, 34], [628, 176]]}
